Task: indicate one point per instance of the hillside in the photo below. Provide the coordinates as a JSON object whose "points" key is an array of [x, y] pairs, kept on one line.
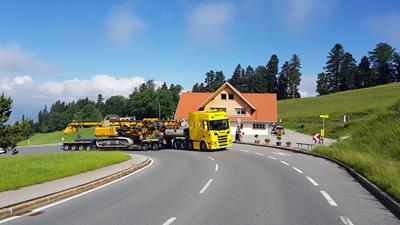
{"points": [[359, 105], [55, 137], [373, 144]]}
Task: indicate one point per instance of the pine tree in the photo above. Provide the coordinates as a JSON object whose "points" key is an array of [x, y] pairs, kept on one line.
{"points": [[283, 80], [237, 78], [271, 82], [247, 84], [259, 82], [348, 71], [294, 77], [333, 68], [218, 81], [100, 100], [381, 59], [365, 76], [397, 67], [322, 84], [209, 80]]}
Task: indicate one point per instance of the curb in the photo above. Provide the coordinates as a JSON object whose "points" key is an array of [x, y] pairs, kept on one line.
{"points": [[392, 204], [26, 206]]}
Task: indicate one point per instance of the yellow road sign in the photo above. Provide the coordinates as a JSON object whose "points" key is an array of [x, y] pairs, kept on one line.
{"points": [[322, 132], [324, 116]]}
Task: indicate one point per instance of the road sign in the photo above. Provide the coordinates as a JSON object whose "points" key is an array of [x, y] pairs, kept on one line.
{"points": [[317, 137], [322, 132], [326, 116]]}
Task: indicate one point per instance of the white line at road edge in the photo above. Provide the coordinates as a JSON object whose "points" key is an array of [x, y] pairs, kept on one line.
{"points": [[205, 186], [297, 170], [287, 164], [78, 195], [216, 167], [257, 153], [328, 198], [312, 181], [210, 157], [272, 157], [170, 221], [346, 220]]}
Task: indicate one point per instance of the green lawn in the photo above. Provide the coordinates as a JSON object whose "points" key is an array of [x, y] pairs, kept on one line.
{"points": [[24, 170], [373, 144], [359, 105], [55, 137]]}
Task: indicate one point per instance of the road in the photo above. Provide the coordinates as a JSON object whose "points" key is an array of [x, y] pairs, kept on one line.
{"points": [[245, 185]]}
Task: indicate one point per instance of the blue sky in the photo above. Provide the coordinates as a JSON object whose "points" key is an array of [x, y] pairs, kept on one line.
{"points": [[69, 49]]}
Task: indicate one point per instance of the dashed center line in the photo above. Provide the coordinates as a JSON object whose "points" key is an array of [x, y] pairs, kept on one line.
{"points": [[346, 220], [216, 167], [243, 150], [169, 221], [281, 153], [297, 170], [312, 181], [257, 153], [272, 157], [210, 157], [205, 186], [287, 164], [328, 198]]}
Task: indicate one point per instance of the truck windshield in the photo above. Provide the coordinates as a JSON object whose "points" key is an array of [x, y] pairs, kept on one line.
{"points": [[219, 124]]}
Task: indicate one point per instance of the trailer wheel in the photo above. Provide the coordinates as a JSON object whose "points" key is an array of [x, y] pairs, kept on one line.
{"points": [[145, 147], [88, 148], [66, 147], [176, 144], [182, 145], [73, 147], [190, 145], [203, 146], [155, 146], [80, 147]]}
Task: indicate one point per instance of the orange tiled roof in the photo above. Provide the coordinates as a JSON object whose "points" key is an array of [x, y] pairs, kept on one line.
{"points": [[265, 104]]}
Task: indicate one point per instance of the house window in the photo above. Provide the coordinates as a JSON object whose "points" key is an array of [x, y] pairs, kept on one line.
{"points": [[223, 96], [230, 96], [240, 111], [259, 126], [221, 109]]}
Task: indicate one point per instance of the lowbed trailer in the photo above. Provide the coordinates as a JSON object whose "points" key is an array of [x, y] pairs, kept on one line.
{"points": [[208, 130]]}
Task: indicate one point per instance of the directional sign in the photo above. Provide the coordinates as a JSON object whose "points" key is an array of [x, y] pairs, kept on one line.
{"points": [[324, 116]]}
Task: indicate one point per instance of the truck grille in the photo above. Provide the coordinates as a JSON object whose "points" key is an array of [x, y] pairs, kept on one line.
{"points": [[223, 140]]}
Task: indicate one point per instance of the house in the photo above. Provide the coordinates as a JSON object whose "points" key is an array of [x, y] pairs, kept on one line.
{"points": [[253, 112]]}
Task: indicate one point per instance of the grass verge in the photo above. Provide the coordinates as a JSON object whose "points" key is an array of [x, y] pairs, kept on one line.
{"points": [[55, 137], [374, 150], [25, 170]]}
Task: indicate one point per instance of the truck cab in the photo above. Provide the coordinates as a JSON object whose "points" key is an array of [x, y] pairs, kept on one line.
{"points": [[209, 130]]}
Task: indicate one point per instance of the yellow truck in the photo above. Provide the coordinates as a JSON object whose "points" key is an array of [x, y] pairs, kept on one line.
{"points": [[204, 130]]}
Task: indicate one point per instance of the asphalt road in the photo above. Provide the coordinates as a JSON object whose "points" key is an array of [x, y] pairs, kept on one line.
{"points": [[244, 185]]}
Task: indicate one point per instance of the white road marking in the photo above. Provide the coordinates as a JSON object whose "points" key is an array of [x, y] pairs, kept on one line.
{"points": [[297, 170], [272, 157], [9, 219], [205, 186], [287, 164], [346, 220], [243, 150], [170, 221], [78, 195], [216, 167], [210, 157], [312, 181], [328, 198], [281, 153], [257, 153]]}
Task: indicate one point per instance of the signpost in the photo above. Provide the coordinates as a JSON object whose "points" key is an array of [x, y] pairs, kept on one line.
{"points": [[326, 116]]}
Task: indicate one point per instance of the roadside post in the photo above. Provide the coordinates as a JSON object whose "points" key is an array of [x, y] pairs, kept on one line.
{"points": [[325, 116]]}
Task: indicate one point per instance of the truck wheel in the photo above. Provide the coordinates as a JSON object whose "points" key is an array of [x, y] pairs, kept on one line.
{"points": [[80, 147], [190, 145], [145, 147], [176, 144], [182, 145], [88, 148], [203, 146], [73, 147], [66, 147]]}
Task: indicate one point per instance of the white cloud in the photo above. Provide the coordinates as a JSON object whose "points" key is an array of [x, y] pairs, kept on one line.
{"points": [[298, 14], [14, 59], [122, 24], [386, 26], [308, 86], [29, 97], [208, 23]]}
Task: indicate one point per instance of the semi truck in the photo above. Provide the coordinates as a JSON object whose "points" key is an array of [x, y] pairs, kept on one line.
{"points": [[204, 130]]}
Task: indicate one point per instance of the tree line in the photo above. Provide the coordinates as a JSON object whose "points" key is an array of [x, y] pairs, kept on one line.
{"points": [[342, 73], [147, 100], [262, 79]]}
